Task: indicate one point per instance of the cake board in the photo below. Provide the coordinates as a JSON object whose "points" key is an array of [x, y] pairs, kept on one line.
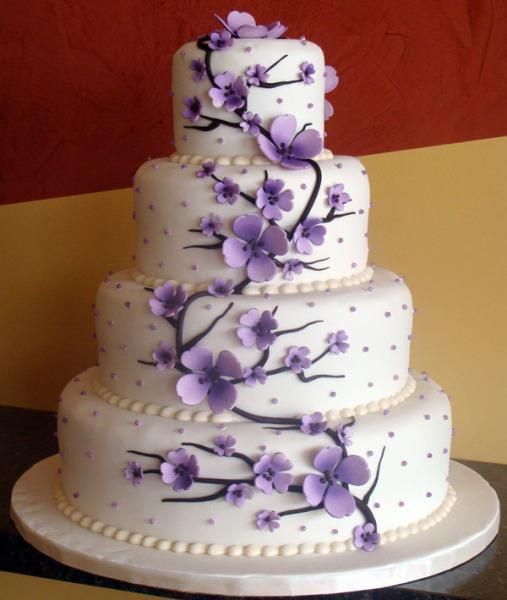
{"points": [[463, 534]]}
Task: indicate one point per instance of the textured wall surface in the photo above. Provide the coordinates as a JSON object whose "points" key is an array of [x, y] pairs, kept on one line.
{"points": [[84, 84]]}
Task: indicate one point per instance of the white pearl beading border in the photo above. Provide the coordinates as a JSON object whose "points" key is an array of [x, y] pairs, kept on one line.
{"points": [[150, 541], [240, 161], [259, 290], [202, 416]]}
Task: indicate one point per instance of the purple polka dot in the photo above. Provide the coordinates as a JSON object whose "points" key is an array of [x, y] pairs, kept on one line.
{"points": [[387, 314], [137, 423], [151, 521], [369, 453], [303, 186], [353, 265], [386, 412], [332, 394], [427, 417], [334, 531], [340, 240], [310, 105], [310, 304], [393, 347], [404, 307], [370, 384], [152, 327], [180, 430], [113, 375], [376, 505], [65, 420], [244, 171], [75, 495], [220, 140], [361, 211], [401, 504], [115, 505], [146, 240], [161, 264], [446, 451], [390, 434], [274, 400], [152, 206], [208, 306], [278, 432], [110, 323], [404, 463], [89, 454], [195, 267], [137, 189], [429, 455], [446, 417], [421, 396], [396, 377], [95, 413], [263, 447], [365, 349], [339, 165], [302, 528], [428, 494], [83, 393], [211, 521], [247, 49], [352, 309], [185, 138]]}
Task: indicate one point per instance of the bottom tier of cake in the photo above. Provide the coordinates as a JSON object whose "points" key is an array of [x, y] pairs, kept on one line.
{"points": [[248, 488]]}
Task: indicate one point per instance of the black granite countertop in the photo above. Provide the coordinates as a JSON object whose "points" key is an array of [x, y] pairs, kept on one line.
{"points": [[27, 436]]}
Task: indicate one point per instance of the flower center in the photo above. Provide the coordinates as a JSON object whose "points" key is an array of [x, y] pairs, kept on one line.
{"points": [[211, 375], [182, 471], [269, 473]]}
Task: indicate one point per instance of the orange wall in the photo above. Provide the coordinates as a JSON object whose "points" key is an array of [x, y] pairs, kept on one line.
{"points": [[438, 219], [85, 84]]}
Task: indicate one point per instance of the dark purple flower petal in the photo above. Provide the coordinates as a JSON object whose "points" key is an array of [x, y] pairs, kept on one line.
{"points": [[207, 169], [276, 30], [275, 240], [192, 110], [308, 234], [165, 356], [272, 200], [307, 70], [365, 537], [229, 91], [327, 459], [248, 227], [211, 225], [169, 300], [336, 197], [180, 470], [257, 329], [337, 342], [291, 268], [254, 376], [268, 519], [339, 502], [221, 288], [227, 364], [220, 40], [134, 473], [198, 69], [224, 445], [354, 470], [306, 144], [297, 358], [221, 396], [227, 191]]}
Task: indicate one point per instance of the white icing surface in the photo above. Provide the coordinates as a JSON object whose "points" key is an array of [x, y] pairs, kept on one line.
{"points": [[377, 317], [305, 102], [170, 200], [95, 437]]}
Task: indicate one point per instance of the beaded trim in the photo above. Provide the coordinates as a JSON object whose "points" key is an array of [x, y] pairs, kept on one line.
{"points": [[150, 541], [195, 159], [201, 416], [270, 288]]}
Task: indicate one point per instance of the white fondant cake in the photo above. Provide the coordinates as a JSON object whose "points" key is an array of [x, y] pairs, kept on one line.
{"points": [[253, 394]]}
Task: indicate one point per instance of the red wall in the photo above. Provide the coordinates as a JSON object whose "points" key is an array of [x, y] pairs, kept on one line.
{"points": [[85, 84]]}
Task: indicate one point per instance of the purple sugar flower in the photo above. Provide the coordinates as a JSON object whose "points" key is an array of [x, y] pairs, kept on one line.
{"points": [[180, 470], [313, 424], [344, 432], [221, 288], [257, 329], [308, 234], [291, 268], [288, 147], [336, 197], [254, 376], [238, 494], [169, 300], [365, 537], [328, 110], [243, 25], [297, 358], [256, 74], [306, 71], [227, 191], [327, 486], [207, 379], [207, 169], [268, 519], [229, 91], [198, 69], [224, 445], [134, 473], [272, 200], [220, 40], [255, 253], [270, 473], [192, 110], [165, 356], [337, 343], [211, 225], [330, 79], [250, 123]]}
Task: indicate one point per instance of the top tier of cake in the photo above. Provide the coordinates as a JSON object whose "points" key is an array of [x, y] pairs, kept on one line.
{"points": [[265, 77]]}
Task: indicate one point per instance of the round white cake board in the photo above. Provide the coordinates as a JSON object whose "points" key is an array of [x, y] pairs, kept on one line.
{"points": [[470, 526]]}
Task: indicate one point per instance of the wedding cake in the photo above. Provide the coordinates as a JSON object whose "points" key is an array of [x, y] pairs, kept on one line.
{"points": [[253, 396]]}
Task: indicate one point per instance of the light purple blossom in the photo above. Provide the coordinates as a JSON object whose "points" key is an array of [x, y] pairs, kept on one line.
{"points": [[287, 146], [336, 197], [229, 91], [344, 433], [220, 40], [291, 268], [271, 473], [169, 300], [328, 110], [227, 191], [308, 234], [250, 123], [211, 225], [165, 356], [256, 74], [180, 470], [337, 342], [243, 25], [255, 252], [207, 169], [330, 79], [268, 519], [238, 494], [208, 379], [198, 69], [257, 329], [327, 486], [365, 537], [221, 288], [313, 424], [272, 200], [254, 376], [306, 70], [134, 473], [192, 110], [297, 358], [224, 445]]}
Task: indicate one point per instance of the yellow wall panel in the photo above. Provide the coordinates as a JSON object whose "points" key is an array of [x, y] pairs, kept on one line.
{"points": [[439, 219]]}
